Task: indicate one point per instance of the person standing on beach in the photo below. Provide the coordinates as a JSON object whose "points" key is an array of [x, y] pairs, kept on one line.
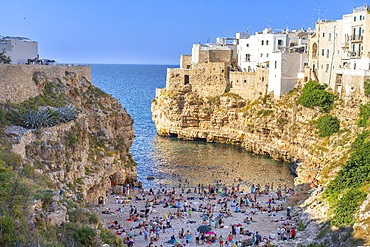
{"points": [[221, 241]]}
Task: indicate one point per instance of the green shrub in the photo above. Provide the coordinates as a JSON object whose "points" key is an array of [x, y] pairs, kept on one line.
{"points": [[354, 173], [85, 236], [364, 115], [367, 87], [8, 231], [347, 206], [327, 125], [346, 192], [314, 94], [107, 237], [46, 197]]}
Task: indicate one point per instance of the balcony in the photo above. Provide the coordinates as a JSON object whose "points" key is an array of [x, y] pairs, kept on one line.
{"points": [[355, 54], [357, 38]]}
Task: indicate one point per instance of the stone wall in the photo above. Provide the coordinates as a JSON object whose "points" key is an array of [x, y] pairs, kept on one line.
{"points": [[185, 62], [249, 85], [21, 82], [220, 56], [207, 79]]}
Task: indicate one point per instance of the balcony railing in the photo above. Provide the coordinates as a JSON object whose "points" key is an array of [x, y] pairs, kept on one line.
{"points": [[355, 54], [357, 38]]}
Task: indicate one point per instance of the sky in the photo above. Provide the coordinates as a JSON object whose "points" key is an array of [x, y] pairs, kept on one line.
{"points": [[151, 31]]}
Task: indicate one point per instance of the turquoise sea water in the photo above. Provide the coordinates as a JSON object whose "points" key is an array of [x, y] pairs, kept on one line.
{"points": [[172, 160]]}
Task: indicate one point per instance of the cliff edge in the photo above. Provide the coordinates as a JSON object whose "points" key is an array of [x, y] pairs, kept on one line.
{"points": [[287, 129], [65, 138]]}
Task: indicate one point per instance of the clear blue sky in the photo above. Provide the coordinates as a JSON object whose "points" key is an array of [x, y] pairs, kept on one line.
{"points": [[150, 31]]}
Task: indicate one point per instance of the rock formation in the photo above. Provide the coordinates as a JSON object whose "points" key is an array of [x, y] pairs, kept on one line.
{"points": [[281, 129], [85, 156]]}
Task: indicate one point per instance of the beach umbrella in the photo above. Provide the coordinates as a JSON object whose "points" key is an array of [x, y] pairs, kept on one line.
{"points": [[210, 233], [204, 229]]}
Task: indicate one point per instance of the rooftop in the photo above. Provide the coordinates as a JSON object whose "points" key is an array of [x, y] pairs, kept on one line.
{"points": [[362, 8], [3, 38]]}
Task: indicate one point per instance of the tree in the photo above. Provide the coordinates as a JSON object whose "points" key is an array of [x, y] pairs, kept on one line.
{"points": [[4, 58]]}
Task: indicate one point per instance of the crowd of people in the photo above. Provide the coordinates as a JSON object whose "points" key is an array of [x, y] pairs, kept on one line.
{"points": [[215, 215]]}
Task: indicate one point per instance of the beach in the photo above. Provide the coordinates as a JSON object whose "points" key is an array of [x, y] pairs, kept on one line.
{"points": [[232, 216]]}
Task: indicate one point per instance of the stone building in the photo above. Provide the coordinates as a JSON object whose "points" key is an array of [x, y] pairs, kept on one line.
{"points": [[19, 49], [206, 71], [339, 52]]}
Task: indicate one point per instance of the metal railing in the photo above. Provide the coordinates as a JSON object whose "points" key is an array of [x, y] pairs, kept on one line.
{"points": [[357, 37]]}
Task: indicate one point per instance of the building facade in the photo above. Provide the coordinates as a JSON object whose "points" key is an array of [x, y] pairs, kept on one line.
{"points": [[19, 49], [339, 52]]}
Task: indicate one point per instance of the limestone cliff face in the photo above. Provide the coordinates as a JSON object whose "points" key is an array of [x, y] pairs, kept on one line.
{"points": [[84, 156], [282, 129]]}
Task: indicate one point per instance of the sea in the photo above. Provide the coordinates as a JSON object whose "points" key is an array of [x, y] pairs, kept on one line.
{"points": [[174, 162]]}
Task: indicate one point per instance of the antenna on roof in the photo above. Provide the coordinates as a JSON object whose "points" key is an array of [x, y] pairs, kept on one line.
{"points": [[248, 29], [286, 21]]}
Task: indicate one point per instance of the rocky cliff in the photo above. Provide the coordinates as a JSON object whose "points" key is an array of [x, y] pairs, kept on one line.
{"points": [[84, 156], [282, 129], [70, 131]]}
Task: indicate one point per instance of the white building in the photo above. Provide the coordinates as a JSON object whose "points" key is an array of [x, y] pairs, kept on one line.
{"points": [[283, 52], [255, 51], [339, 52], [285, 70], [19, 49]]}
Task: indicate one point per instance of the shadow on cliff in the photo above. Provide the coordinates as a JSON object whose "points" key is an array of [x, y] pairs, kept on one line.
{"points": [[326, 235]]}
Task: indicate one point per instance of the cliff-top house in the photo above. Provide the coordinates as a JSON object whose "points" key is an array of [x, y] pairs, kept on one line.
{"points": [[19, 49], [339, 52]]}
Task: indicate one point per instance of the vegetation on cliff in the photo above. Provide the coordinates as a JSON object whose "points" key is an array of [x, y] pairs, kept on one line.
{"points": [[42, 195], [315, 95], [349, 188], [311, 124], [327, 125]]}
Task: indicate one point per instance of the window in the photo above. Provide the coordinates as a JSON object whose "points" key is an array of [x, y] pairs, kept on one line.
{"points": [[323, 52], [247, 45], [186, 79], [327, 53], [360, 17], [354, 66], [261, 55], [247, 57], [327, 68], [329, 36], [275, 64], [267, 42], [323, 35], [280, 42], [262, 42], [267, 55], [354, 18]]}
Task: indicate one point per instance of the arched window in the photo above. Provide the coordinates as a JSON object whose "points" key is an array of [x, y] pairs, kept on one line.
{"points": [[314, 50]]}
